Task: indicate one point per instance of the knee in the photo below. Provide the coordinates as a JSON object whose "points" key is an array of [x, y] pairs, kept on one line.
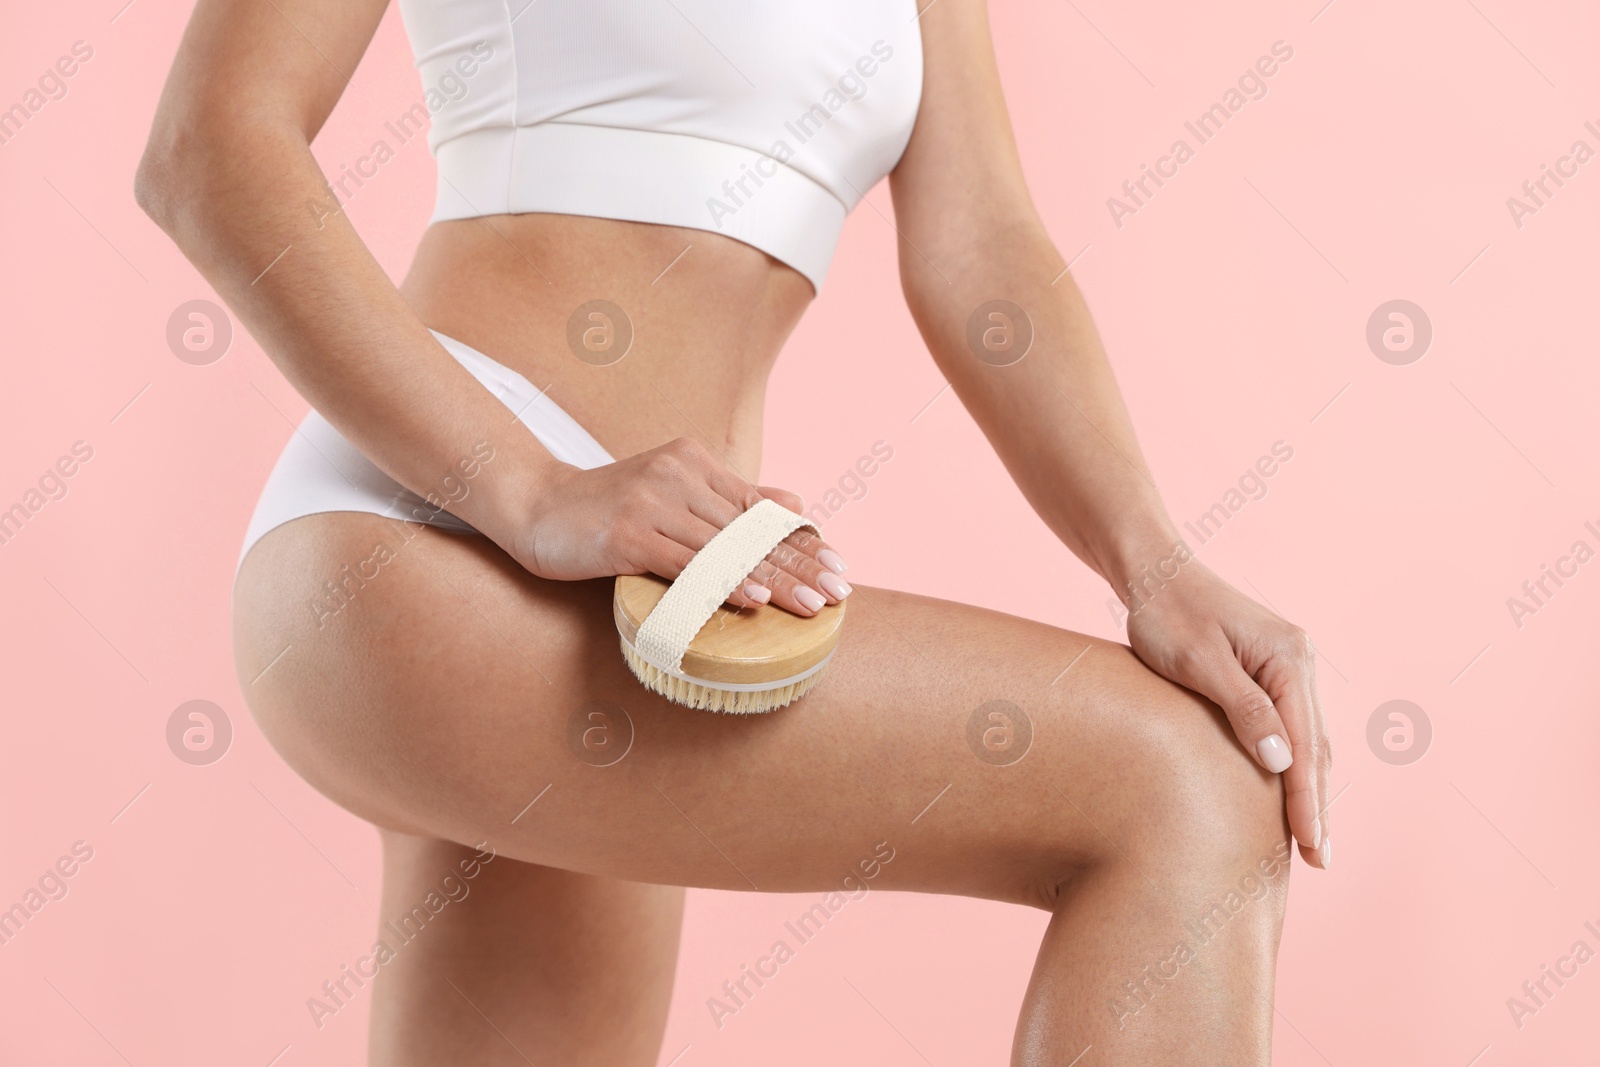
{"points": [[1208, 820]]}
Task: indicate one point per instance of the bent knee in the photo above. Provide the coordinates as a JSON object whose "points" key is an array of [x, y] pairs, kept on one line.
{"points": [[1206, 809], [1165, 797]]}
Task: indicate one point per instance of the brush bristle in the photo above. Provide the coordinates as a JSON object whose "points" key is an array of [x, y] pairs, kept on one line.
{"points": [[707, 698]]}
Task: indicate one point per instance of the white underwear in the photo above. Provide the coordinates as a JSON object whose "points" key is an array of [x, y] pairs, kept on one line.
{"points": [[320, 470]]}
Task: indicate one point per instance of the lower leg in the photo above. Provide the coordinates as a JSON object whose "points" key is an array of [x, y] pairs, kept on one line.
{"points": [[518, 962], [1162, 956]]}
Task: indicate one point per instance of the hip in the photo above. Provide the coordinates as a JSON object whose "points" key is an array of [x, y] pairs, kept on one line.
{"points": [[321, 471]]}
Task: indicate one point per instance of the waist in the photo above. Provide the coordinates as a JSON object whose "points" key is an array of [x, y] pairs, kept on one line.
{"points": [[693, 182], [642, 332]]}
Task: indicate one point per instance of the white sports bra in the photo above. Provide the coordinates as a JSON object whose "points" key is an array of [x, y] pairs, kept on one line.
{"points": [[760, 120]]}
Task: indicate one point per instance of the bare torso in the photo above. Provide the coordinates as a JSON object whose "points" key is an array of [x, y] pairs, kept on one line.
{"points": [[708, 316]]}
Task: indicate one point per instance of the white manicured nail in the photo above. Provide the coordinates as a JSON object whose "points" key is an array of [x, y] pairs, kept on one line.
{"points": [[830, 559], [1274, 753], [834, 585], [759, 593], [809, 598]]}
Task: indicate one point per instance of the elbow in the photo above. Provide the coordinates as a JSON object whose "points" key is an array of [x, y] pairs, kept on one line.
{"points": [[168, 184], [163, 174], [191, 162], [151, 187], [204, 173]]}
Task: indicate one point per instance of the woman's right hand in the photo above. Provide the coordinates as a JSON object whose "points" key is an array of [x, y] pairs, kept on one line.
{"points": [[652, 512]]}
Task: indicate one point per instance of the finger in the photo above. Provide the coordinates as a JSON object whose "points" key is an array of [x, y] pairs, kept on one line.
{"points": [[787, 559], [687, 460], [789, 500], [1301, 801], [663, 556], [710, 505], [688, 530], [804, 539], [1287, 677], [1249, 709], [795, 592], [802, 561], [768, 583], [1315, 753], [732, 496], [668, 557], [1325, 770], [752, 594], [732, 488]]}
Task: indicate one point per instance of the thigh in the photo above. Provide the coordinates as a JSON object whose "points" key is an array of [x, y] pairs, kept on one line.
{"points": [[498, 961], [947, 749]]}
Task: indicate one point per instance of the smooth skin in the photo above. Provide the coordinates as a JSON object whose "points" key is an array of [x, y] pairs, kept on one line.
{"points": [[442, 700]]}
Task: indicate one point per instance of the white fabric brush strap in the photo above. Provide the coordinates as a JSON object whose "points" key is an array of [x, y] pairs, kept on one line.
{"points": [[714, 572]]}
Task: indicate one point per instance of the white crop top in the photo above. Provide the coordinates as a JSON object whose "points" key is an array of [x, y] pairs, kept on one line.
{"points": [[762, 120]]}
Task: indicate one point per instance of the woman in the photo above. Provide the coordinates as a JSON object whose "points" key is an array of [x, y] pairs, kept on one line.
{"points": [[636, 202]]}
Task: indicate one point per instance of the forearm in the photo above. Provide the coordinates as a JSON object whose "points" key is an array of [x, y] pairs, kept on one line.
{"points": [[263, 228], [1055, 417]]}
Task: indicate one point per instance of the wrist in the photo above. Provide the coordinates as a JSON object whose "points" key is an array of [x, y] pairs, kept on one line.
{"points": [[505, 494], [1137, 564]]}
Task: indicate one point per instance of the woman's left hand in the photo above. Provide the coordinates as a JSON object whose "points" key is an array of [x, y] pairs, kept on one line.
{"points": [[1202, 633]]}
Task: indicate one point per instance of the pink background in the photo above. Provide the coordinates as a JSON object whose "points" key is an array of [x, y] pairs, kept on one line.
{"points": [[1234, 304]]}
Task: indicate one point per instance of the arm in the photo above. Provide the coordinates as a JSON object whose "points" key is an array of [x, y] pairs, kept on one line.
{"points": [[228, 174], [1058, 423]]}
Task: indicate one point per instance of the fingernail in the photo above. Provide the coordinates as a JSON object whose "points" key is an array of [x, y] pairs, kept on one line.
{"points": [[809, 598], [759, 593], [1274, 754], [1316, 833], [833, 584], [830, 559], [1325, 852]]}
